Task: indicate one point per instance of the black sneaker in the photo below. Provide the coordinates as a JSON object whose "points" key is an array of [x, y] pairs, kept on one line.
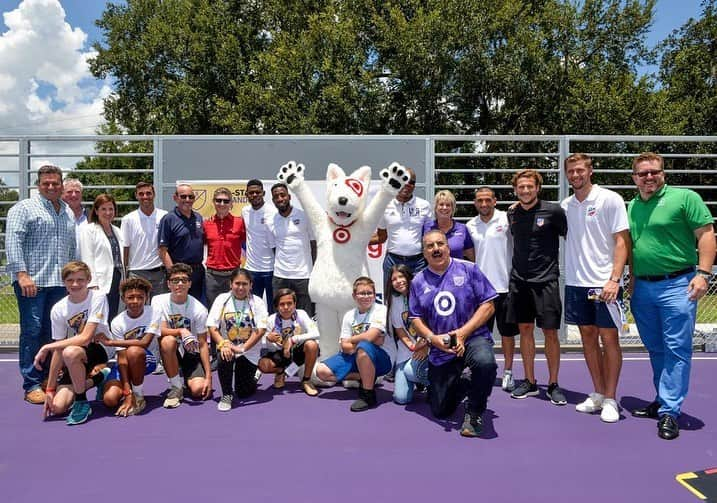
{"points": [[472, 426], [556, 395], [366, 400], [525, 389]]}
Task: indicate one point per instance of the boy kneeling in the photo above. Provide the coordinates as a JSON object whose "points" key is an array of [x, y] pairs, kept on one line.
{"points": [[76, 319], [133, 334], [363, 354]]}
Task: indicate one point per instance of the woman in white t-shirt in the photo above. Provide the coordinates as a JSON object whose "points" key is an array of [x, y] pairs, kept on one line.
{"points": [[236, 323], [411, 356]]}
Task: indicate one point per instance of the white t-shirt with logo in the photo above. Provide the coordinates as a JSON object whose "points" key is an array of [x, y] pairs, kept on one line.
{"points": [[590, 244], [493, 245], [259, 240], [236, 319], [355, 323], [69, 319], [126, 328], [399, 319], [191, 315], [291, 239], [301, 328], [404, 225]]}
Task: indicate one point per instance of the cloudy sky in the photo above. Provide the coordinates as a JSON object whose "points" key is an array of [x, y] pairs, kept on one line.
{"points": [[45, 84]]}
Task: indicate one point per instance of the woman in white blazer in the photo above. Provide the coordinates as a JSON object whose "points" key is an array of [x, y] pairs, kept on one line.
{"points": [[101, 249]]}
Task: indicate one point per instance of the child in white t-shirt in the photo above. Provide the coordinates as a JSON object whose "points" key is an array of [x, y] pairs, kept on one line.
{"points": [[76, 320], [133, 334]]}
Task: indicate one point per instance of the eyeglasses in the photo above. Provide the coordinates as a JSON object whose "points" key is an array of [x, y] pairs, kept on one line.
{"points": [[365, 294], [179, 281], [185, 197], [644, 174], [222, 201]]}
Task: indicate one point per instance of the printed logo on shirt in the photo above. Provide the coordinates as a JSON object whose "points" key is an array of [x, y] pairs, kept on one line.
{"points": [[540, 221], [359, 328], [238, 329], [135, 333], [77, 323], [459, 280], [426, 289], [296, 221], [444, 303], [179, 321], [591, 211], [498, 228]]}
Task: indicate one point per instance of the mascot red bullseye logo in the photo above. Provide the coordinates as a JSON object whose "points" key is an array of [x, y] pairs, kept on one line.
{"points": [[342, 235], [355, 185]]}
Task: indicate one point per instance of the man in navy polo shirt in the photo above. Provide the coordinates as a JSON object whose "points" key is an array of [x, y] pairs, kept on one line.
{"points": [[181, 238], [450, 303]]}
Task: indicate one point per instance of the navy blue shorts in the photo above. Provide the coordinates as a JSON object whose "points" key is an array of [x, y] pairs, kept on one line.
{"points": [[579, 310], [342, 364], [150, 365]]}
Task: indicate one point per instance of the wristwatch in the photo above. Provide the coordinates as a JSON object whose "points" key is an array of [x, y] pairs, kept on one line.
{"points": [[705, 274]]}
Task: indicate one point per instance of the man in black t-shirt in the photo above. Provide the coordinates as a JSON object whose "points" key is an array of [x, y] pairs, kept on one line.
{"points": [[534, 294]]}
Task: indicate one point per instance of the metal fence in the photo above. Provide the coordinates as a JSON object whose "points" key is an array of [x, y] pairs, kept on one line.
{"points": [[457, 163]]}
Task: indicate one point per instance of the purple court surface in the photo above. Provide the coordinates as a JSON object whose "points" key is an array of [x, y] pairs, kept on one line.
{"points": [[284, 446]]}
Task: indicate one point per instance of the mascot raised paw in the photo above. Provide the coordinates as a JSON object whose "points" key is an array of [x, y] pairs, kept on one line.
{"points": [[342, 231]]}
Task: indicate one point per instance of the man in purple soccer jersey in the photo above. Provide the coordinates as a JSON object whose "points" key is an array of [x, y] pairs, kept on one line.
{"points": [[450, 303]]}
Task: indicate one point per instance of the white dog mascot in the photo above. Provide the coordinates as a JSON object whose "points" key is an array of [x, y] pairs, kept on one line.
{"points": [[342, 233]]}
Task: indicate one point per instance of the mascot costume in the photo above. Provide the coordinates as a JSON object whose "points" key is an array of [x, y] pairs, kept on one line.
{"points": [[342, 233]]}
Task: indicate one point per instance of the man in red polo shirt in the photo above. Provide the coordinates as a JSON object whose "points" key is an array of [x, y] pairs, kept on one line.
{"points": [[224, 235]]}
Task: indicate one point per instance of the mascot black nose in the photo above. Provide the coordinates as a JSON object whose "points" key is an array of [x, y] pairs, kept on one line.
{"points": [[343, 201]]}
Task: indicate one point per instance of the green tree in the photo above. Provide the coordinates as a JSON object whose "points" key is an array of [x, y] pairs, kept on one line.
{"points": [[688, 72], [374, 66]]}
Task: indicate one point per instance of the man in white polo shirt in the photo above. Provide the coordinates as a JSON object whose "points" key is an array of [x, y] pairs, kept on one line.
{"points": [[401, 228], [493, 246], [139, 233], [596, 249], [259, 242], [294, 248]]}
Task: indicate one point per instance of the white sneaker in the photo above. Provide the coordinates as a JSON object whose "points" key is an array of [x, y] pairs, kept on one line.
{"points": [[508, 383], [225, 404], [592, 403], [610, 411]]}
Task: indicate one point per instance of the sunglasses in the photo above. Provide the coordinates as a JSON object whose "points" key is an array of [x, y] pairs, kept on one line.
{"points": [[653, 172], [179, 281], [186, 197], [222, 201]]}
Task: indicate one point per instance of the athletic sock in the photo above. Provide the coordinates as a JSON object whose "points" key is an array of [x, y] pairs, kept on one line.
{"points": [[97, 378], [137, 390], [80, 397], [176, 381]]}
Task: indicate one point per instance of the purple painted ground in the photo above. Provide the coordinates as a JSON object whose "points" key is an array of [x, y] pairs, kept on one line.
{"points": [[285, 446]]}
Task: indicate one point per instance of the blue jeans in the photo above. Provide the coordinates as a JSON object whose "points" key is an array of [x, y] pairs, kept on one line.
{"points": [[261, 282], [35, 330], [407, 374], [665, 318], [416, 264]]}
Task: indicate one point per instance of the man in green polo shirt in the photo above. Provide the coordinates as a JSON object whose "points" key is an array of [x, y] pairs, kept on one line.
{"points": [[665, 224]]}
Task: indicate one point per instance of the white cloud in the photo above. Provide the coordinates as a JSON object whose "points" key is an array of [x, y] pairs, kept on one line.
{"points": [[45, 83]]}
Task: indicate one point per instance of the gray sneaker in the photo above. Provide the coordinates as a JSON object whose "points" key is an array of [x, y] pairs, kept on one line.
{"points": [[472, 426], [159, 370], [174, 398], [525, 389], [225, 404], [556, 395]]}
